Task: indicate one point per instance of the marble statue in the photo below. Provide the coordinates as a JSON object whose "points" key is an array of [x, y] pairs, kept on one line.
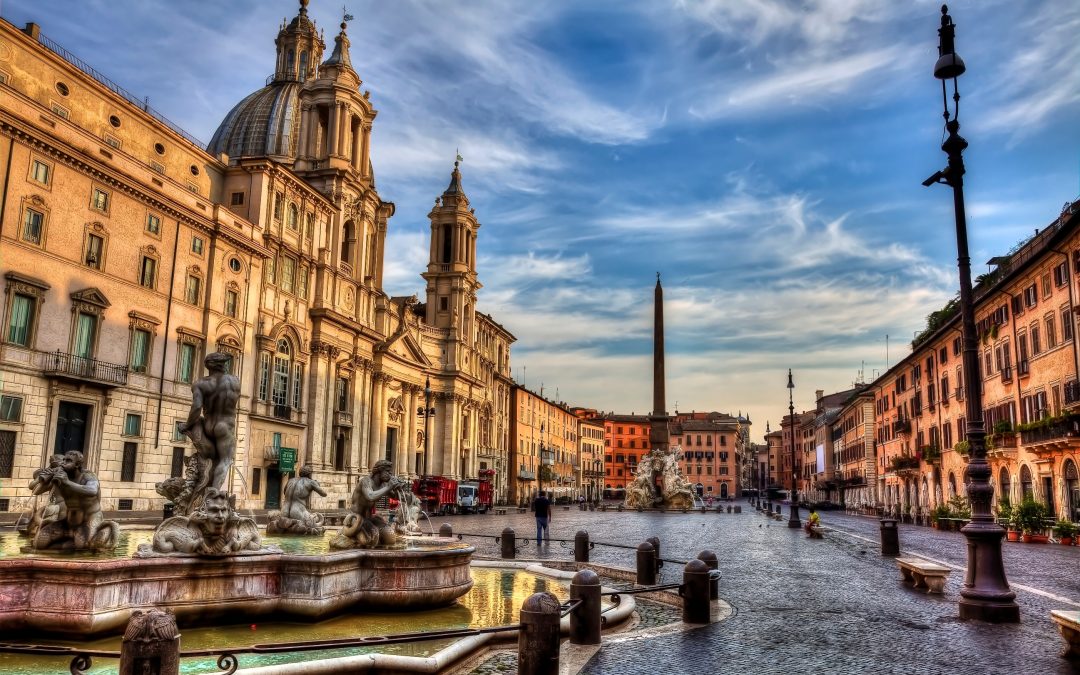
{"points": [[213, 529], [82, 527], [364, 528], [659, 483], [295, 517], [205, 520], [52, 510]]}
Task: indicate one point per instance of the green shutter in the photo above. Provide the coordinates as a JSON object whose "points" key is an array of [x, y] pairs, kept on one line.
{"points": [[19, 329], [84, 336]]}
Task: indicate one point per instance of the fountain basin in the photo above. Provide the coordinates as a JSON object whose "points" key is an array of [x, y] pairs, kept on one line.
{"points": [[72, 597]]}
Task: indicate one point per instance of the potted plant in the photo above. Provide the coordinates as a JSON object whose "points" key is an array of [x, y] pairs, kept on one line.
{"points": [[1005, 518], [1065, 531], [1029, 518], [940, 512]]}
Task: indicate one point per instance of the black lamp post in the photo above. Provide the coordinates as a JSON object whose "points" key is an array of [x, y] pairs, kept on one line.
{"points": [[427, 412], [986, 595], [793, 521]]}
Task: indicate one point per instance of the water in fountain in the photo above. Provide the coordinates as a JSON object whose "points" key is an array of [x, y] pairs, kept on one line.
{"points": [[431, 528]]}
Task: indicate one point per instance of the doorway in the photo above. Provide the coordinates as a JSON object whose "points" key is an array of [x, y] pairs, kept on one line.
{"points": [[71, 421], [273, 488]]}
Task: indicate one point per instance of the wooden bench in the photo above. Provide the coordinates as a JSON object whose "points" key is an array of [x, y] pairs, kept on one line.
{"points": [[1068, 624], [923, 574]]}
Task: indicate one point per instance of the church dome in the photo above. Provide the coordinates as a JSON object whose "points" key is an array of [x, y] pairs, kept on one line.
{"points": [[266, 123]]}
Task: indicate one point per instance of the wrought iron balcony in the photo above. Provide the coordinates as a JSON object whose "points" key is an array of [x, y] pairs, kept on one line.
{"points": [[283, 412], [1052, 435], [270, 453], [902, 426], [80, 368], [342, 418]]}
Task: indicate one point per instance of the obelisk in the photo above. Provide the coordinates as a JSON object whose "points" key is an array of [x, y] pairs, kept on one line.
{"points": [[659, 438]]}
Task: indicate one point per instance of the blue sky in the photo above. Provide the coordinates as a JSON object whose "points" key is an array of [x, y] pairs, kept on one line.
{"points": [[765, 156]]}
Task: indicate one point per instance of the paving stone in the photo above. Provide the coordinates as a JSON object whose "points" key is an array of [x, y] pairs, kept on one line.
{"points": [[816, 606]]}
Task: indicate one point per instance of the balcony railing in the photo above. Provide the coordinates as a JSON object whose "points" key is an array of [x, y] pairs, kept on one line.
{"points": [[270, 453], [283, 412], [1023, 368], [342, 418], [902, 426], [1053, 431], [526, 475], [1007, 374], [75, 367]]}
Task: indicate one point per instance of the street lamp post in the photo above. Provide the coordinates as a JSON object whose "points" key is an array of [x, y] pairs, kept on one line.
{"points": [[427, 412], [986, 595], [793, 521]]}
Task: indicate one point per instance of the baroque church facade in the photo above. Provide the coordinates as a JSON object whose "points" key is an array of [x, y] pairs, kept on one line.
{"points": [[129, 251]]}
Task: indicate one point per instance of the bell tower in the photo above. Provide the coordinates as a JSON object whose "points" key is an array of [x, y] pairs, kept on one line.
{"points": [[335, 118], [299, 48], [451, 272]]}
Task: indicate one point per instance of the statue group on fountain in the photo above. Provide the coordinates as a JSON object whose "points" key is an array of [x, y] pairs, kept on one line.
{"points": [[364, 527], [295, 516], [659, 483], [206, 522]]}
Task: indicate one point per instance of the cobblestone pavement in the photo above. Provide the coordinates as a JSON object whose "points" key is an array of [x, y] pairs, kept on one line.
{"points": [[816, 606]]}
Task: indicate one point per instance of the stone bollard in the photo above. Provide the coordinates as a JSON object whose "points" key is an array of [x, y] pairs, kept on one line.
{"points": [[581, 546], [585, 619], [508, 543], [538, 639], [445, 530], [151, 644], [655, 541], [729, 509], [719, 509], [710, 559], [646, 564], [695, 592], [890, 537], [768, 506], [738, 509]]}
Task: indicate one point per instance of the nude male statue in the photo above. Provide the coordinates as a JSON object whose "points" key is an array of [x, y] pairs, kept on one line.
{"points": [[214, 431], [298, 495], [364, 527], [83, 526]]}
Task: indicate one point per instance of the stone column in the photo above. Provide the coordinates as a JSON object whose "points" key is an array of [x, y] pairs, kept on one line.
{"points": [[343, 128], [365, 152], [409, 446], [305, 123], [377, 433], [332, 128], [354, 155], [361, 415], [313, 131]]}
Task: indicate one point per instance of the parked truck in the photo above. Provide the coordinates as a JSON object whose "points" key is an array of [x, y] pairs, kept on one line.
{"points": [[437, 495], [476, 496]]}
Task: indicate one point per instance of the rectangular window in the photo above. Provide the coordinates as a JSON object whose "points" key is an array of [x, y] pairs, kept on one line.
{"points": [[279, 205], [342, 394], [112, 142], [10, 408], [270, 271], [132, 424], [22, 318], [140, 350], [193, 289], [99, 200], [197, 245], [230, 303], [302, 282], [1046, 288], [60, 110], [1031, 296], [1036, 344], [1061, 274], [298, 385], [236, 199], [40, 172], [187, 362], [1066, 325], [7, 454], [1051, 332], [177, 468], [264, 375], [33, 226], [85, 327], [256, 480], [148, 272], [127, 467], [153, 224], [288, 274], [281, 381], [178, 435], [95, 251]]}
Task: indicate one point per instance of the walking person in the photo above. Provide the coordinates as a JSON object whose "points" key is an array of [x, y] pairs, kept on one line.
{"points": [[542, 511]]}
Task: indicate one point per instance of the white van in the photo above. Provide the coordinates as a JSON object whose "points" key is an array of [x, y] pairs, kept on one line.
{"points": [[468, 497]]}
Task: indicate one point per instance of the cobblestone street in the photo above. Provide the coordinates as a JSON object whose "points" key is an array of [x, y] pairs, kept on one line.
{"points": [[832, 605]]}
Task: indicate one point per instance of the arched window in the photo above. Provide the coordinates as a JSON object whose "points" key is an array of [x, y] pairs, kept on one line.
{"points": [[1003, 484], [287, 384], [1027, 490], [1072, 490], [303, 65], [447, 241], [290, 59], [348, 241]]}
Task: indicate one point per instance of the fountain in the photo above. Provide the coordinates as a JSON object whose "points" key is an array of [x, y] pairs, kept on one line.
{"points": [[208, 562], [659, 482]]}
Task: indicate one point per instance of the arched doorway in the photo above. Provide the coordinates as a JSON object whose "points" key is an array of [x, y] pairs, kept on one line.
{"points": [[723, 491], [1003, 486], [1027, 489], [952, 485], [700, 489], [1072, 490]]}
